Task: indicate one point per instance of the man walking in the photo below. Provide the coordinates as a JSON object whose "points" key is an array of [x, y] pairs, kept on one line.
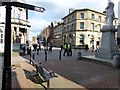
{"points": [[65, 49], [69, 52]]}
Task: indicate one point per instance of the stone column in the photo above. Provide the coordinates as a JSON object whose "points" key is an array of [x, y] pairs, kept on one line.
{"points": [[108, 44]]}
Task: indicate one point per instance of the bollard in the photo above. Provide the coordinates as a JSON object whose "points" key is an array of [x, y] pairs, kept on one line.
{"points": [[33, 56], [116, 61], [79, 55], [45, 55], [60, 55]]}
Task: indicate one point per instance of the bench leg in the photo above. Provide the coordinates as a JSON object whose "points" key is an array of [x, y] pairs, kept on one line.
{"points": [[48, 83]]}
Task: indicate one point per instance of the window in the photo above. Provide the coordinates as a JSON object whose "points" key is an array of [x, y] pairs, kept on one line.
{"points": [[99, 18], [81, 15], [99, 27], [65, 21], [1, 36], [72, 17], [64, 28], [93, 17], [68, 19], [72, 27], [91, 42], [81, 39], [81, 25], [105, 20], [92, 26], [68, 28]]}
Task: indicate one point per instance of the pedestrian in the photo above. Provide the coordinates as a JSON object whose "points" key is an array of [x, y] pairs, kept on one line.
{"points": [[50, 49], [65, 49], [38, 49], [61, 47], [92, 48], [69, 51], [97, 47], [28, 49], [24, 49], [86, 47]]}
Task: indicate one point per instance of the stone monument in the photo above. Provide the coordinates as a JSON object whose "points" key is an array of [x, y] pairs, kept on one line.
{"points": [[108, 44]]}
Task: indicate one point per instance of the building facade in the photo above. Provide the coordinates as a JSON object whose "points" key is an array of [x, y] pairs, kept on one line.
{"points": [[19, 26], [83, 26], [57, 34], [118, 34]]}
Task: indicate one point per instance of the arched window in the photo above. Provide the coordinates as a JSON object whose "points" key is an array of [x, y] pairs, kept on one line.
{"points": [[1, 36], [81, 39]]}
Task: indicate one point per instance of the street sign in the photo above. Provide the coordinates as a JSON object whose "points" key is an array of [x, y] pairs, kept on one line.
{"points": [[26, 6], [39, 9]]}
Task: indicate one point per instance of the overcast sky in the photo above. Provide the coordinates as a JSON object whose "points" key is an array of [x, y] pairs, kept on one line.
{"points": [[56, 9]]}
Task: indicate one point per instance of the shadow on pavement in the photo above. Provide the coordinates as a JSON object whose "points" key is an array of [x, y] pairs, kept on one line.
{"points": [[15, 82], [33, 77]]}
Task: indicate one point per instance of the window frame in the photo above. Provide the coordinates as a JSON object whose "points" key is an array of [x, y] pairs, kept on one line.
{"points": [[82, 23], [82, 15]]}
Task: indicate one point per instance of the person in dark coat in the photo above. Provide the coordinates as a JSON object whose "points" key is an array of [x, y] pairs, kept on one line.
{"points": [[50, 49], [86, 47]]}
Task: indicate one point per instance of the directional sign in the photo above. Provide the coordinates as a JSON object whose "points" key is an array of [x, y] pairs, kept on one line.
{"points": [[39, 9], [26, 6]]}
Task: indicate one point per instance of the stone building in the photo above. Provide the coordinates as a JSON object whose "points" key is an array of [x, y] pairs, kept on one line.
{"points": [[118, 34], [82, 26], [57, 34], [19, 26], [47, 34]]}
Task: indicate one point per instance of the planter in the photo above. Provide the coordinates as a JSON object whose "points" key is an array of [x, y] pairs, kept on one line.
{"points": [[116, 61]]}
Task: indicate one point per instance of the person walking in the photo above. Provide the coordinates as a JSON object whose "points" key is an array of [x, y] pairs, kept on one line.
{"points": [[38, 49], [86, 47], [92, 48], [50, 49], [69, 51], [65, 49], [61, 47]]}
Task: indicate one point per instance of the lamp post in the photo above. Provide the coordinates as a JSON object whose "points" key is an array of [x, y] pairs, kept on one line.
{"points": [[6, 78]]}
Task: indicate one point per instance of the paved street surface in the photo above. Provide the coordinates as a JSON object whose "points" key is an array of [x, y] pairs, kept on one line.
{"points": [[1, 63], [23, 77], [89, 74]]}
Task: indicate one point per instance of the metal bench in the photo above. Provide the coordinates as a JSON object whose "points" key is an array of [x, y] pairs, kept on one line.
{"points": [[43, 73]]}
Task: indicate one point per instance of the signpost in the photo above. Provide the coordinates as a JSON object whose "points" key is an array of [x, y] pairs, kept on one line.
{"points": [[6, 78]]}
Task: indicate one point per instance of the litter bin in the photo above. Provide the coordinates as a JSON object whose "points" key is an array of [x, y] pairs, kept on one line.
{"points": [[116, 61], [79, 56]]}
